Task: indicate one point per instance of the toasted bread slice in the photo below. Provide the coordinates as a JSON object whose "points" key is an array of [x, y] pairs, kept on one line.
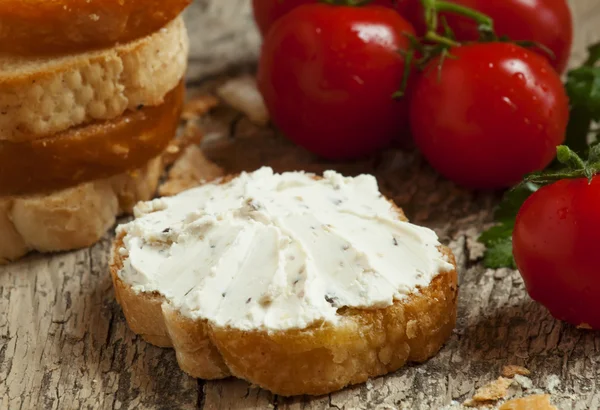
{"points": [[40, 97], [318, 359], [72, 218], [90, 152], [59, 27]]}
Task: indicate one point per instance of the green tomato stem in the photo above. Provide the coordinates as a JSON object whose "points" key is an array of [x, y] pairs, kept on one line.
{"points": [[436, 38], [432, 9], [482, 20]]}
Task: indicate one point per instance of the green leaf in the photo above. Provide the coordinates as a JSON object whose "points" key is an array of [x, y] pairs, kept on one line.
{"points": [[593, 55], [513, 200], [496, 232], [499, 255], [594, 155], [583, 89], [498, 239]]}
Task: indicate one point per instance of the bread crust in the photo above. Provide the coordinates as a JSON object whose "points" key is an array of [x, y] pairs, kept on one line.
{"points": [[73, 218], [90, 152], [314, 361], [42, 27], [40, 97]]}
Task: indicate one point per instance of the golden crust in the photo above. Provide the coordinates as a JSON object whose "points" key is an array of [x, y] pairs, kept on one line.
{"points": [[73, 218], [42, 27], [317, 360], [40, 97], [536, 402], [90, 152]]}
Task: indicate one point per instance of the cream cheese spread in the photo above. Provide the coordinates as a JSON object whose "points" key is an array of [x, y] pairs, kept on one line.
{"points": [[277, 251]]}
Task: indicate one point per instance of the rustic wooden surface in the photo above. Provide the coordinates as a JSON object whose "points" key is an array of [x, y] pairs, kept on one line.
{"points": [[64, 343]]}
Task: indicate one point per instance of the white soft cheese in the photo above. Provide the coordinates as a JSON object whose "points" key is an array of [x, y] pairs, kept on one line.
{"points": [[277, 251]]}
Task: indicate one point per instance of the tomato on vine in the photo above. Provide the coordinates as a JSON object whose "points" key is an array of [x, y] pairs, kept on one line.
{"points": [[489, 114], [328, 75], [555, 239], [546, 22], [267, 12]]}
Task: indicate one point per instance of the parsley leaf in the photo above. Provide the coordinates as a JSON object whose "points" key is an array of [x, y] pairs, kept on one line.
{"points": [[499, 255], [583, 89], [498, 239]]}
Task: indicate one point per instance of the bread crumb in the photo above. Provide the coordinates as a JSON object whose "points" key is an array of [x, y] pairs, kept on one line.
{"points": [[411, 329], [511, 370], [524, 382], [585, 326], [491, 392], [472, 403], [537, 402], [552, 382], [243, 95], [199, 106], [190, 170], [192, 135]]}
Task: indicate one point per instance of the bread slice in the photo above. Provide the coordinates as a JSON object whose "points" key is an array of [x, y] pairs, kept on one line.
{"points": [[90, 152], [73, 218], [316, 360], [58, 27], [40, 97]]}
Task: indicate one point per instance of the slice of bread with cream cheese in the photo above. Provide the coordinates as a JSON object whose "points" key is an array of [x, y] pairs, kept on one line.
{"points": [[296, 283]]}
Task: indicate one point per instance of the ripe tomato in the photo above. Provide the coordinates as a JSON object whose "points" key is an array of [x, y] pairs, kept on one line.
{"points": [[494, 113], [328, 73], [548, 22], [555, 244], [266, 12]]}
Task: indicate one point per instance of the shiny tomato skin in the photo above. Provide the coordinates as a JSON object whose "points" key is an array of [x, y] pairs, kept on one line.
{"points": [[493, 113], [267, 12], [548, 22], [328, 74], [555, 244]]}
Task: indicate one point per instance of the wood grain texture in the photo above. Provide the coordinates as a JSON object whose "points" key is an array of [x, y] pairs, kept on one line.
{"points": [[64, 343]]}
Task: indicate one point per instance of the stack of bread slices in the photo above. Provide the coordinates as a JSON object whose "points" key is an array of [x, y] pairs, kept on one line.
{"points": [[90, 96]]}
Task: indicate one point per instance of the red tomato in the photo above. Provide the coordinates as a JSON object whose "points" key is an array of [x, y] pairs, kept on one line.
{"points": [[494, 113], [555, 244], [548, 22], [328, 73], [266, 12]]}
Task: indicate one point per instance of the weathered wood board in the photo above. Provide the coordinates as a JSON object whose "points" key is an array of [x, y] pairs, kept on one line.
{"points": [[64, 343]]}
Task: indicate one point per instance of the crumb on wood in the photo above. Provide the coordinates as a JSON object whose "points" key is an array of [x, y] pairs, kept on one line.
{"points": [[199, 106], [552, 383], [190, 170], [523, 381], [192, 135], [535, 402], [585, 326], [512, 370], [490, 393], [242, 94]]}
